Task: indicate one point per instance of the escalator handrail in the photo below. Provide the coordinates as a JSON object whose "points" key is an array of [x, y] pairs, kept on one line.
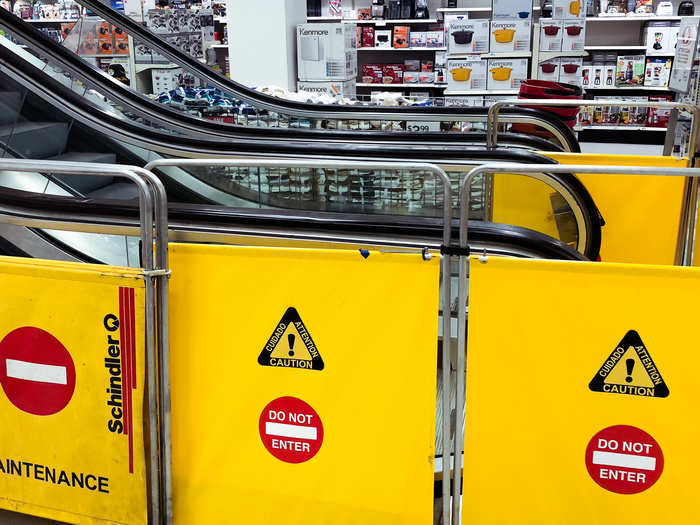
{"points": [[116, 214], [152, 110]]}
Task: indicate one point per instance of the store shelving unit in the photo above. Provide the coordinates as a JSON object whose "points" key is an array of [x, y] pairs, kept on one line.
{"points": [[618, 128], [482, 92], [408, 85], [614, 47], [52, 21], [391, 49]]}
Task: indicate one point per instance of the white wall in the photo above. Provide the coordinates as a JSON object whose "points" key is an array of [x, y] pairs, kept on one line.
{"points": [[262, 41]]}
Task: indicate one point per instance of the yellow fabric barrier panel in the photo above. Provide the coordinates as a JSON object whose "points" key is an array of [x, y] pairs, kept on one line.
{"points": [[72, 376], [581, 390], [303, 385], [642, 213]]}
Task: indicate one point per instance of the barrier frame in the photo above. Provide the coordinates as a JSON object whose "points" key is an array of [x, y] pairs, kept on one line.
{"points": [[686, 232], [153, 217], [439, 174]]}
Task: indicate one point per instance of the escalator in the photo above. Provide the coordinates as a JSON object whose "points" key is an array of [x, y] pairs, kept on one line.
{"points": [[146, 108]]}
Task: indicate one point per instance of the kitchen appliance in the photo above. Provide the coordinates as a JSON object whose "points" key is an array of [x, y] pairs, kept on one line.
{"points": [[378, 9], [547, 9], [313, 8], [421, 9], [452, 3], [463, 37], [406, 9], [664, 9], [686, 8]]}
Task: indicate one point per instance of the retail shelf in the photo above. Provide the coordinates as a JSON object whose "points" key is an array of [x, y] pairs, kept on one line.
{"points": [[630, 18], [52, 21], [484, 92], [630, 88], [513, 54], [105, 56], [618, 128], [614, 46], [392, 21], [546, 55], [449, 10], [146, 67], [410, 85], [323, 18], [402, 49]]}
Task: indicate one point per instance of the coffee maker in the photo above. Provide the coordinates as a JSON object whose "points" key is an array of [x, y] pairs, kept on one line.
{"points": [[421, 10], [378, 9]]}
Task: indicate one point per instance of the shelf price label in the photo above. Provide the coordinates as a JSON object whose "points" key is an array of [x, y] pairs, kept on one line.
{"points": [[422, 127]]}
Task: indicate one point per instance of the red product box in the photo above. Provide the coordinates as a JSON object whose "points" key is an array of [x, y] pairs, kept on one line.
{"points": [[367, 36], [372, 74], [392, 73], [427, 66], [659, 118]]}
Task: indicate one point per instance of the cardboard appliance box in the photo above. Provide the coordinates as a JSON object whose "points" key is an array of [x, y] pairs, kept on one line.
{"points": [[465, 75], [344, 88], [418, 39], [510, 35], [382, 38], [551, 34], [326, 51], [506, 73], [512, 9], [548, 70], [658, 72], [630, 70], [402, 35], [570, 71], [371, 73], [573, 35], [467, 36], [569, 9], [435, 38], [658, 39], [392, 73]]}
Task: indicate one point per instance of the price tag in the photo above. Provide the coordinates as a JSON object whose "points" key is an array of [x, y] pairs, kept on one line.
{"points": [[422, 127]]}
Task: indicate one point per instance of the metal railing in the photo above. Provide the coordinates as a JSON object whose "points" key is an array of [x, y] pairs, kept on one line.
{"points": [[686, 232], [152, 227]]}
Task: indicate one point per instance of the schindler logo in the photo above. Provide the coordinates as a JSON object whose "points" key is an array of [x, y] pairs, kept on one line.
{"points": [[310, 32]]}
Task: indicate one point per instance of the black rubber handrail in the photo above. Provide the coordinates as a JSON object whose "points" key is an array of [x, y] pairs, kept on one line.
{"points": [[143, 105], [19, 203]]}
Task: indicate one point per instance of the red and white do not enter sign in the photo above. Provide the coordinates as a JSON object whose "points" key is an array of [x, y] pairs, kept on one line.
{"points": [[291, 430], [36, 371], [624, 459]]}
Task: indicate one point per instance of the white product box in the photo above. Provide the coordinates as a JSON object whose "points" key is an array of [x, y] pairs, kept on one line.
{"points": [[510, 35], [658, 72], [435, 38], [551, 34], [569, 9], [658, 39], [411, 77], [465, 75], [467, 36], [512, 9], [548, 70], [570, 71], [345, 88], [165, 79], [574, 35], [382, 38], [326, 51], [674, 38], [506, 73], [418, 39]]}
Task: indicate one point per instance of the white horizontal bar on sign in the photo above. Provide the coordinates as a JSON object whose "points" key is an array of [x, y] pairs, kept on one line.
{"points": [[290, 431], [37, 372], [613, 459]]}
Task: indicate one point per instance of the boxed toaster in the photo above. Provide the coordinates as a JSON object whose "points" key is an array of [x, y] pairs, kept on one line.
{"points": [[551, 34], [573, 35], [506, 73], [467, 36], [326, 51], [467, 74], [510, 35]]}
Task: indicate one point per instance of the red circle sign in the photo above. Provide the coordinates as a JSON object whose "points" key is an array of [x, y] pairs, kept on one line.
{"points": [[36, 371], [624, 459], [291, 430]]}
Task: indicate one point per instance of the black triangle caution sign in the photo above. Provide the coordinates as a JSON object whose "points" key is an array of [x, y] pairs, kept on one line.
{"points": [[630, 370], [291, 345]]}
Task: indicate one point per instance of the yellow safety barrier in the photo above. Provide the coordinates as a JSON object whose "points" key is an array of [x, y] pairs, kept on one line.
{"points": [[72, 375], [642, 214], [303, 385], [581, 385]]}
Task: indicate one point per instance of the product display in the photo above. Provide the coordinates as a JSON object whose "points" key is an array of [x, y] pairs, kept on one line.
{"points": [[549, 70], [401, 37], [658, 72], [659, 39], [465, 75], [570, 71], [568, 9], [506, 73], [511, 35], [512, 9], [467, 36], [630, 70], [551, 34], [326, 51], [345, 88], [573, 35], [382, 38]]}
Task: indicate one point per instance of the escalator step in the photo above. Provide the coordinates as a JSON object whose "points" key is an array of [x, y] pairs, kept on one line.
{"points": [[9, 106], [35, 140]]}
